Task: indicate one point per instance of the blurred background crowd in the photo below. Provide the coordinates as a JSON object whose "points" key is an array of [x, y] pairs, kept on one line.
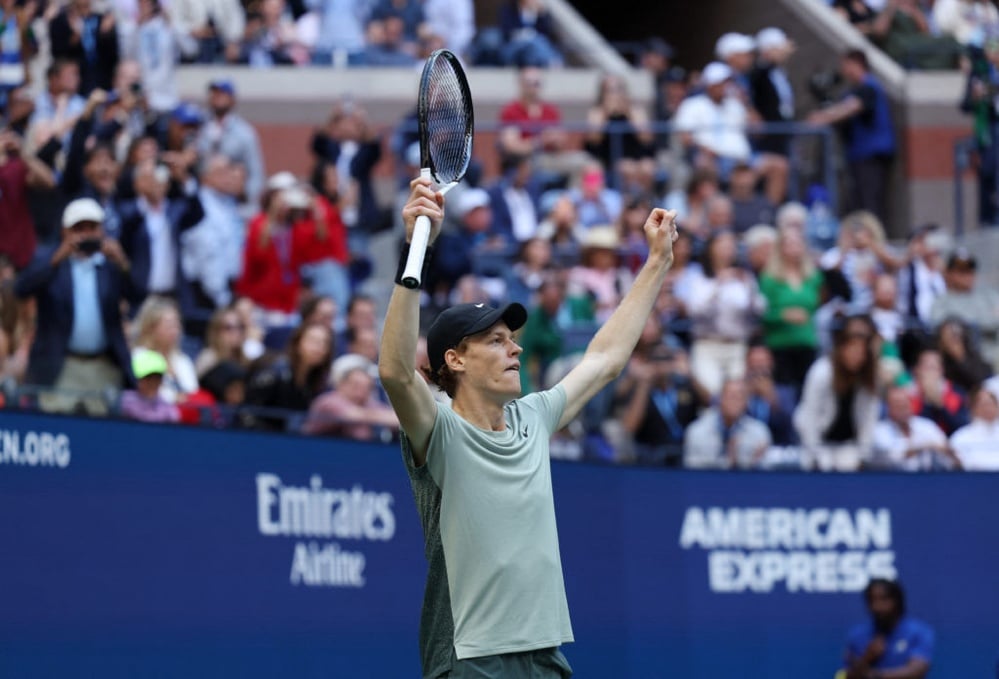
{"points": [[155, 266]]}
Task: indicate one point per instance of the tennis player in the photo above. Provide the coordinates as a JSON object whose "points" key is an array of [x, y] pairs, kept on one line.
{"points": [[495, 603]]}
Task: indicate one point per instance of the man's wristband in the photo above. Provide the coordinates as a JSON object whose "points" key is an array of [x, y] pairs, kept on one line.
{"points": [[404, 257]]}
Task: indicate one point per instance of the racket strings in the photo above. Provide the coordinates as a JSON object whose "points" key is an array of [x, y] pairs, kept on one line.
{"points": [[449, 135]]}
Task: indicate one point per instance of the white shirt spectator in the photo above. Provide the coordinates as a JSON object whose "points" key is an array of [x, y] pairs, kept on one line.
{"points": [[453, 20], [720, 128], [892, 446], [227, 17], [212, 251], [977, 446], [966, 21], [704, 443], [157, 47]]}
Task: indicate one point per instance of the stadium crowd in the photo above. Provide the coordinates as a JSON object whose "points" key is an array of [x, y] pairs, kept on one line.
{"points": [[153, 269]]}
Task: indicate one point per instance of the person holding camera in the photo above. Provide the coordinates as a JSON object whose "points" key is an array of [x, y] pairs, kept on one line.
{"points": [[79, 286]]}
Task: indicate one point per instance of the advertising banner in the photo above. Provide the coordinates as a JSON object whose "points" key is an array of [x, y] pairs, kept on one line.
{"points": [[140, 550]]}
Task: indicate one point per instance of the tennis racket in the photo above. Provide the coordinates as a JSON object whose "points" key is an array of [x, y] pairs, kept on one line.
{"points": [[446, 126]]}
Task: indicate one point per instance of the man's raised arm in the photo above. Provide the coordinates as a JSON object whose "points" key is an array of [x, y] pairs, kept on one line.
{"points": [[409, 394], [609, 350]]}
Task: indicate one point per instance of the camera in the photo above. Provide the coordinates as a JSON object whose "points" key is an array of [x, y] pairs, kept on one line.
{"points": [[89, 246]]}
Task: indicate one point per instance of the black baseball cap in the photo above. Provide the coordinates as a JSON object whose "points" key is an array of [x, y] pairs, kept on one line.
{"points": [[463, 320]]}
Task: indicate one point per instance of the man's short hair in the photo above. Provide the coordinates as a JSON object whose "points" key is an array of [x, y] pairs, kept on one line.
{"points": [[894, 589]]}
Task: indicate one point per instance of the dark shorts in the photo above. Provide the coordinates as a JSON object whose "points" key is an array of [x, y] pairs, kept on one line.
{"points": [[545, 663]]}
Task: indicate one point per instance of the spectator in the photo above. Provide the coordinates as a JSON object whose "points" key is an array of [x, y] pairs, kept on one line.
{"points": [[532, 126], [921, 280], [933, 395], [979, 101], [963, 364], [513, 200], [19, 172], [229, 134], [278, 242], [158, 328], [725, 436], [978, 306], [151, 230], [758, 243], [59, 105], [89, 39], [870, 149], [902, 30], [273, 37], [620, 136], [738, 52], [890, 323], [600, 277], [766, 403], [891, 640], [386, 43], [839, 403], [211, 252], [631, 228], [861, 255], [320, 309], [712, 128], [691, 204], [362, 342], [560, 223], [658, 402], [724, 305], [451, 20], [542, 339], [528, 271], [341, 34], [226, 341], [655, 58], [595, 203], [749, 207], [83, 349], [771, 93], [455, 252], [362, 314], [293, 380], [17, 46], [859, 13], [218, 26], [352, 410], [158, 47], [967, 21], [410, 12], [145, 403], [528, 34], [975, 443], [908, 442]]}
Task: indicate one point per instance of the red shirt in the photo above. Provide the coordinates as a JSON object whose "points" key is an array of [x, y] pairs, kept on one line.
{"points": [[17, 230], [271, 275], [530, 121]]}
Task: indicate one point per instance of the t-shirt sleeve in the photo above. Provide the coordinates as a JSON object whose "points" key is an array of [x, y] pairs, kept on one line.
{"points": [[549, 405], [922, 642], [444, 430]]}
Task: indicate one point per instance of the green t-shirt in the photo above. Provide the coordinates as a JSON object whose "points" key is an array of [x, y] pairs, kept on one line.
{"points": [[492, 518], [780, 296]]}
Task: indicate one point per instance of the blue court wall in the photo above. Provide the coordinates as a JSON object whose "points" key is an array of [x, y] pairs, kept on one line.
{"points": [[138, 550]]}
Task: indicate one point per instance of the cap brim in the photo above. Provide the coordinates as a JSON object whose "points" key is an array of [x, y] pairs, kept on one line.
{"points": [[513, 314]]}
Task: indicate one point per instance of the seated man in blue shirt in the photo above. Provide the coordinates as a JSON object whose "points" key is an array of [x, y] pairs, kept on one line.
{"points": [[891, 645]]}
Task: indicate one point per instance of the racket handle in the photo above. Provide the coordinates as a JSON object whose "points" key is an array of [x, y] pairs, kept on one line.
{"points": [[417, 251]]}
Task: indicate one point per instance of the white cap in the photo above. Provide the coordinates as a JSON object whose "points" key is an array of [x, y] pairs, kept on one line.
{"points": [[347, 364], [471, 199], [296, 198], [734, 43], [715, 73], [281, 181], [771, 37], [82, 210]]}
